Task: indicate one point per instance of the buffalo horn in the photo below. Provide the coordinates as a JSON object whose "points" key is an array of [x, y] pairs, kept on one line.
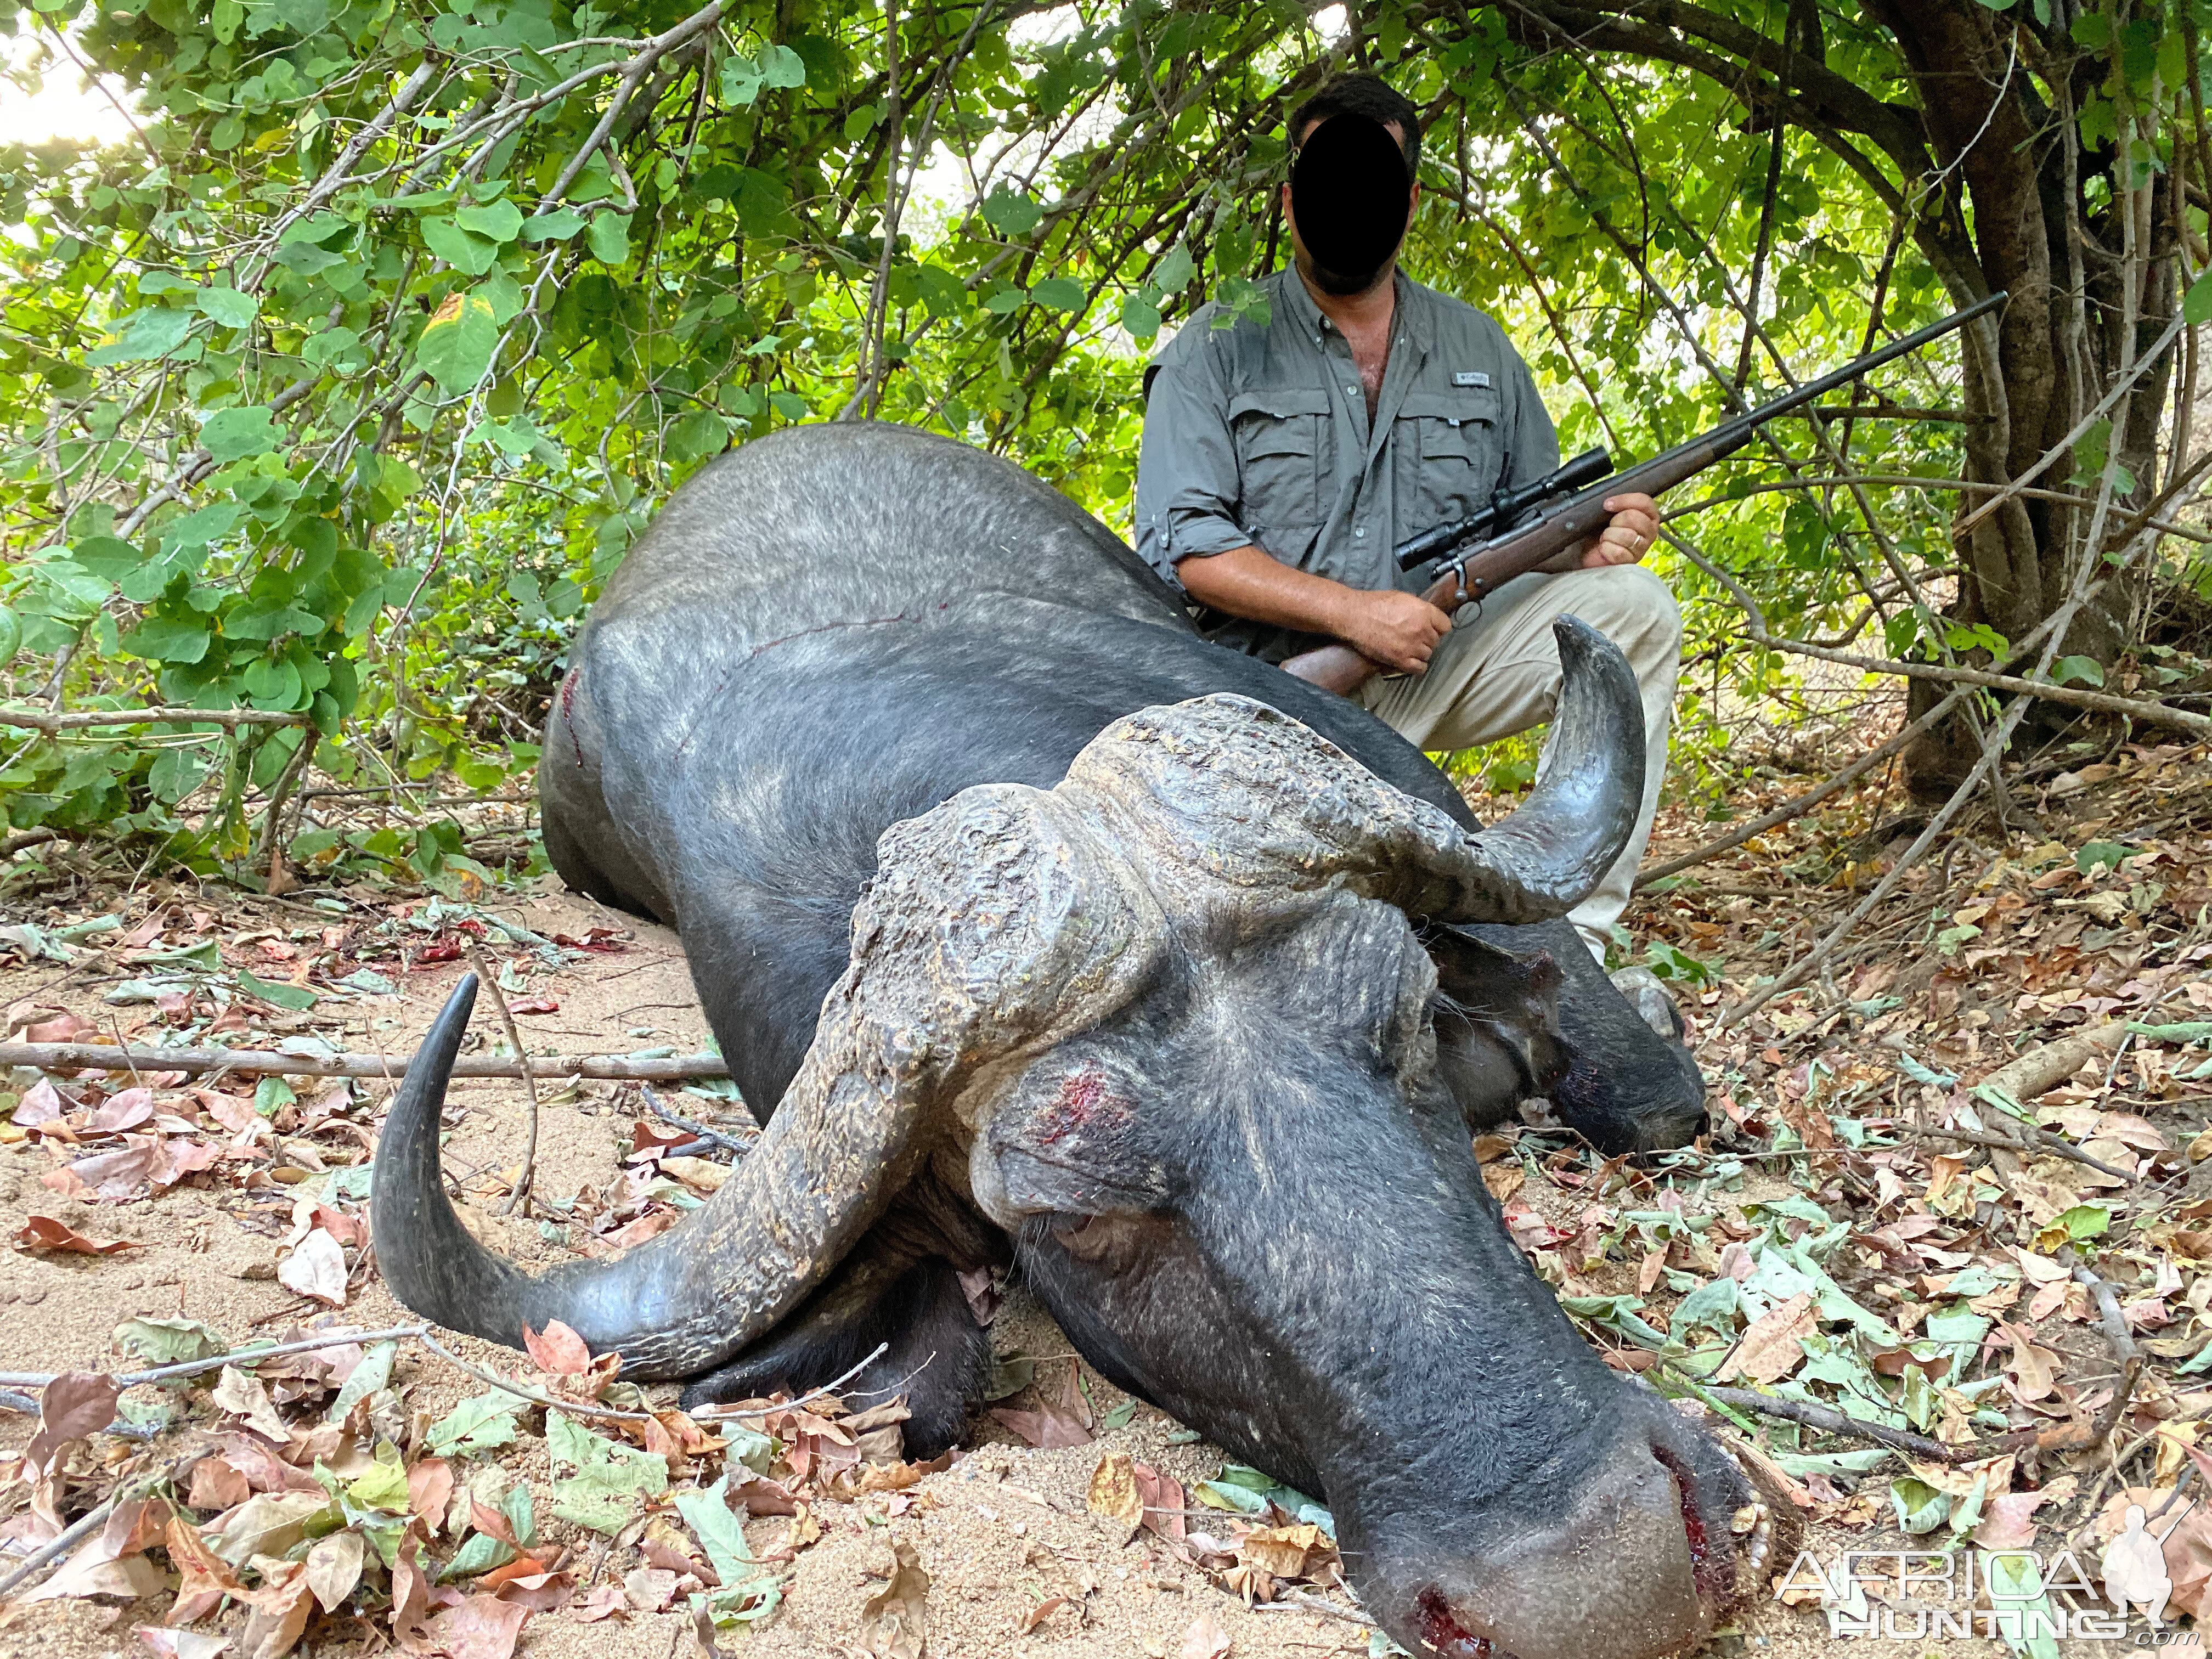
{"points": [[992, 921], [1230, 790]]}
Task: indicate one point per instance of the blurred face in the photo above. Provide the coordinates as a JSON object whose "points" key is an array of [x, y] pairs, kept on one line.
{"points": [[1348, 202]]}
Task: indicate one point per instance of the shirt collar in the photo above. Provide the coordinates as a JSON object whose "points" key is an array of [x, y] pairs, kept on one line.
{"points": [[1408, 319]]}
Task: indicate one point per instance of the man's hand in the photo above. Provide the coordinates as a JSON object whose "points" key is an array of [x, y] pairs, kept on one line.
{"points": [[1635, 526], [1398, 630]]}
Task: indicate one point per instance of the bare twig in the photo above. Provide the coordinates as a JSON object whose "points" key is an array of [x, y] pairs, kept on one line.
{"points": [[710, 1413], [2056, 1146], [251, 1062], [42, 720], [739, 1147], [216, 1362], [573, 1407], [86, 1525], [488, 976]]}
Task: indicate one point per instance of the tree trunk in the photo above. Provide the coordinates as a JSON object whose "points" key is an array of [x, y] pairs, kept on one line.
{"points": [[1998, 193]]}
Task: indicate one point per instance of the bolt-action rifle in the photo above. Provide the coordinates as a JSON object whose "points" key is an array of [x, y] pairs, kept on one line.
{"points": [[1522, 530]]}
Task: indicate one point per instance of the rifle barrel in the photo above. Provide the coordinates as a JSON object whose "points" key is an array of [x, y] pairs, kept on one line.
{"points": [[1852, 370]]}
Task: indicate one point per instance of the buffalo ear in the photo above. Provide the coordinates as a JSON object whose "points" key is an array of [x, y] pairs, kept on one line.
{"points": [[1497, 1025], [1067, 1139]]}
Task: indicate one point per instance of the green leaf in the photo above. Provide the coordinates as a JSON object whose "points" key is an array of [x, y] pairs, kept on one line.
{"points": [[465, 252], [144, 335], [741, 79], [557, 226], [374, 1372], [780, 66], [721, 1532], [499, 223], [166, 639], [1059, 293], [1920, 1507], [11, 635], [232, 434], [457, 343], [169, 1341], [383, 1487], [2196, 304], [610, 238], [480, 1555], [1174, 270], [1140, 317], [610, 1480], [697, 436], [298, 998], [2084, 1221], [228, 305], [2108, 853], [2085, 669], [480, 1424], [1012, 213]]}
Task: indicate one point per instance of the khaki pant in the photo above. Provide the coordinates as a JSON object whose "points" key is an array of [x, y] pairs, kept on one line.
{"points": [[1497, 672]]}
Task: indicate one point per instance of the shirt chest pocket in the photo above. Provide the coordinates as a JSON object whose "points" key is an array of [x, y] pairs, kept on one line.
{"points": [[1284, 446], [1446, 455]]}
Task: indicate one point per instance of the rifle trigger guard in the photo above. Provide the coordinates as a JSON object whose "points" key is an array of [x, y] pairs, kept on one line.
{"points": [[1459, 579]]}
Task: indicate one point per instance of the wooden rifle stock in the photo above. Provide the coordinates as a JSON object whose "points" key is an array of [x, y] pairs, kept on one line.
{"points": [[1458, 578]]}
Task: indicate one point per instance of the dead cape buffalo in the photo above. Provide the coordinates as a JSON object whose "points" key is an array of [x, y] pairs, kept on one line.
{"points": [[1042, 931]]}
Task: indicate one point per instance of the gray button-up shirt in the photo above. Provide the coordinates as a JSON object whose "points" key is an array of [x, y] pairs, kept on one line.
{"points": [[1261, 436]]}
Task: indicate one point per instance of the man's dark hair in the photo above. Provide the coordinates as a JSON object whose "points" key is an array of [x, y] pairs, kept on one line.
{"points": [[1367, 95]]}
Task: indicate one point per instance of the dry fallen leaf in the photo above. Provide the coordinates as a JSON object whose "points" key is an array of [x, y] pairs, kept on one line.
{"points": [[168, 1643], [246, 1396], [2008, 1523], [430, 1491], [607, 1602], [1284, 1551], [1205, 1639], [1044, 1610], [481, 1627], [334, 1567], [894, 1624], [556, 1350], [316, 1268], [1114, 1492], [279, 1615], [650, 1589], [2035, 1368], [1774, 1343], [43, 1233]]}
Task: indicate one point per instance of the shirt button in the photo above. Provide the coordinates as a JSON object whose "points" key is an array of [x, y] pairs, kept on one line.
{"points": [[1361, 533], [1351, 392]]}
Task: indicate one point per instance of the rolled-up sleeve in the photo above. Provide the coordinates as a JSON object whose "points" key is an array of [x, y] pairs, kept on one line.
{"points": [[1187, 488]]}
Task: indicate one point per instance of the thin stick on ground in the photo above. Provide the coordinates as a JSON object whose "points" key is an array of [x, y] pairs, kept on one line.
{"points": [[714, 1137], [1830, 1421], [714, 1413], [244, 1356], [86, 1524], [251, 1062], [573, 1407], [2056, 1145], [488, 978]]}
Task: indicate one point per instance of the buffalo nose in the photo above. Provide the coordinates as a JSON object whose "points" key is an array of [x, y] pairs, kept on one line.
{"points": [[1616, 1578]]}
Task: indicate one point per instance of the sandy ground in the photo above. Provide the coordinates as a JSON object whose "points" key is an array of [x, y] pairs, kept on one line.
{"points": [[1001, 1532]]}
